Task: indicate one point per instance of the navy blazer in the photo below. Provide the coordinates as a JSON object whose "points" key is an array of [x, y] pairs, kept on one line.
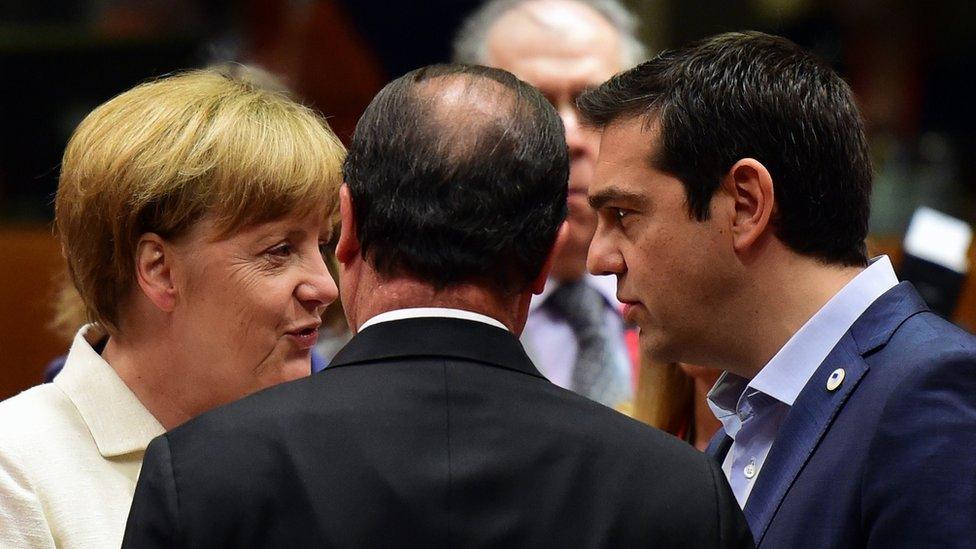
{"points": [[888, 459]]}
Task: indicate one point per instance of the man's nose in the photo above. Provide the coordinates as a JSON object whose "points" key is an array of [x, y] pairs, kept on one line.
{"points": [[603, 258]]}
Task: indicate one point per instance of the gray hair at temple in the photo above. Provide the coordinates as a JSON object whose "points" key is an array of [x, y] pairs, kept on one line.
{"points": [[470, 44]]}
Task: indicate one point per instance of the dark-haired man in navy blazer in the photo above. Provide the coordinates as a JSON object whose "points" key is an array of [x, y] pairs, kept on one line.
{"points": [[732, 186]]}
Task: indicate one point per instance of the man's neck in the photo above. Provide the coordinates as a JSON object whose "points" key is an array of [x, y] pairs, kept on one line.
{"points": [[784, 297], [387, 295]]}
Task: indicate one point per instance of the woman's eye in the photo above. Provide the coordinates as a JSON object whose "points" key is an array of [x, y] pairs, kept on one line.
{"points": [[324, 249], [281, 250]]}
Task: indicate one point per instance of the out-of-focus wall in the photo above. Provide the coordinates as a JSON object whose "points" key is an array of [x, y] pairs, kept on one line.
{"points": [[31, 261]]}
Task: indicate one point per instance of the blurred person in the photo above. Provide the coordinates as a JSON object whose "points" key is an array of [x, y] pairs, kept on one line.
{"points": [[192, 212], [432, 427], [672, 397], [69, 316], [732, 191], [574, 332], [334, 332]]}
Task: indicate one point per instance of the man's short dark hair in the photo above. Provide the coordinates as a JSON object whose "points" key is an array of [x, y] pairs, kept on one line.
{"points": [[752, 95], [458, 190]]}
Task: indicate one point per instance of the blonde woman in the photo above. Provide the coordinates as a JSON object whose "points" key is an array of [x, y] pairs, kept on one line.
{"points": [[192, 212]]}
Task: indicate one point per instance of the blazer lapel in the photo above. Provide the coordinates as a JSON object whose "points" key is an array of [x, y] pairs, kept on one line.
{"points": [[817, 406], [719, 446], [805, 425]]}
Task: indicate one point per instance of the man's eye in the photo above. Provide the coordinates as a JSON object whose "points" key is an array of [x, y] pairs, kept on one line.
{"points": [[619, 214]]}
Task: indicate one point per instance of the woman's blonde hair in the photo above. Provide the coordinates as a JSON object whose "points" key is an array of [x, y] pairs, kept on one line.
{"points": [[166, 153]]}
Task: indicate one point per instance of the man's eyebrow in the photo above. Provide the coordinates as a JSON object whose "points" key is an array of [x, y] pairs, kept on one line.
{"points": [[600, 198]]}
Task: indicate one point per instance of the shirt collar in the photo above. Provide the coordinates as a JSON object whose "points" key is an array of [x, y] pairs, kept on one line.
{"points": [[785, 375], [428, 312], [723, 399], [118, 422], [606, 285]]}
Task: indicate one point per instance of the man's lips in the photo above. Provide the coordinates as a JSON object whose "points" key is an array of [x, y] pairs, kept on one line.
{"points": [[627, 311]]}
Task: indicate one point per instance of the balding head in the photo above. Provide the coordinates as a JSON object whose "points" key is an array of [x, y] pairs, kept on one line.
{"points": [[458, 174]]}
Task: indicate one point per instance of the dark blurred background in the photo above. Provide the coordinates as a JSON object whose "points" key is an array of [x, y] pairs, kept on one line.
{"points": [[909, 63]]}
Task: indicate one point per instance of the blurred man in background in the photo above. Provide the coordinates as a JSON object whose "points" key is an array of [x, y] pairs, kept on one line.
{"points": [[574, 331]]}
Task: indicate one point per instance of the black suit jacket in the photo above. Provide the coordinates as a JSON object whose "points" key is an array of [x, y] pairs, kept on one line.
{"points": [[427, 432]]}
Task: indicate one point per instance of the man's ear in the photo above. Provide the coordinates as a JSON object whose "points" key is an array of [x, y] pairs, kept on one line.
{"points": [[154, 263], [539, 283], [347, 248], [750, 186]]}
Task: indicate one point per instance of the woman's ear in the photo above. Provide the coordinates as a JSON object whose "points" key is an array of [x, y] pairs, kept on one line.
{"points": [[750, 185], [154, 258]]}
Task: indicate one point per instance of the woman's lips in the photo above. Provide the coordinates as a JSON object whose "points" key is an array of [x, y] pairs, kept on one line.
{"points": [[304, 339]]}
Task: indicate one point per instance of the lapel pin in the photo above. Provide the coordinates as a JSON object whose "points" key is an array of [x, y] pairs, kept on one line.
{"points": [[835, 379]]}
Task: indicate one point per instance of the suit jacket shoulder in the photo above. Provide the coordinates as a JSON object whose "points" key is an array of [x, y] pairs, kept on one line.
{"points": [[865, 464]]}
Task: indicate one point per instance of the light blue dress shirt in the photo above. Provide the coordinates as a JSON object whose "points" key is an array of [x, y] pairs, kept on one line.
{"points": [[751, 412]]}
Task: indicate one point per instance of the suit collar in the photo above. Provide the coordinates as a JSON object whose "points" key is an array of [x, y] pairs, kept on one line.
{"points": [[816, 406], [787, 373], [118, 422], [879, 322], [437, 337], [719, 446]]}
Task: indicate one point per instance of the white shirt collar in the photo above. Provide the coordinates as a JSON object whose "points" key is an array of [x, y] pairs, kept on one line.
{"points": [[785, 375], [431, 312]]}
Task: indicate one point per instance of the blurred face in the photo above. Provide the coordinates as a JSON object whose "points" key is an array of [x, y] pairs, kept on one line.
{"points": [[562, 48], [673, 272], [249, 305]]}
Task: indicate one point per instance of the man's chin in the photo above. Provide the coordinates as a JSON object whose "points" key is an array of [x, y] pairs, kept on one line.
{"points": [[654, 348]]}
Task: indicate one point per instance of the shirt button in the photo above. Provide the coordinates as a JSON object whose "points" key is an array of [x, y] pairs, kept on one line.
{"points": [[750, 469]]}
